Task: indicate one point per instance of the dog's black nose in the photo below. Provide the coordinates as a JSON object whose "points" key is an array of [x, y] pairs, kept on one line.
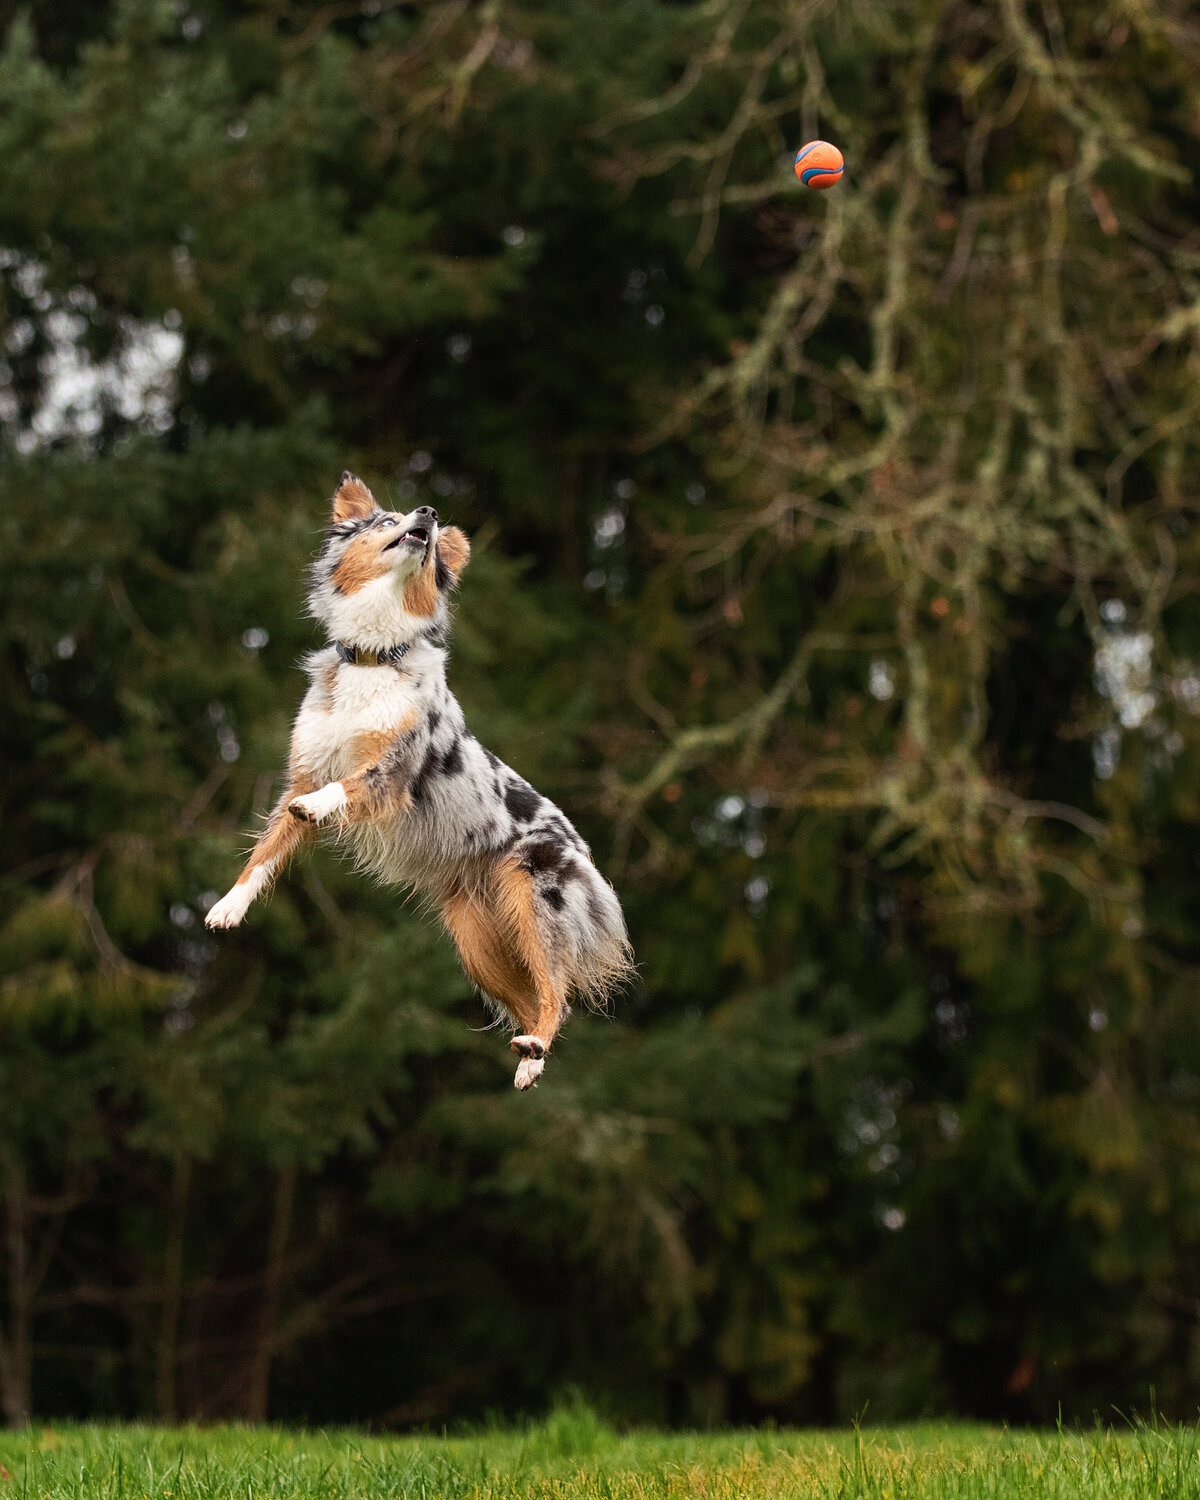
{"points": [[426, 510]]}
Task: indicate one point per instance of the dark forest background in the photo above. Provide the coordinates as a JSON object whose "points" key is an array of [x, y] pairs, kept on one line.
{"points": [[836, 567]]}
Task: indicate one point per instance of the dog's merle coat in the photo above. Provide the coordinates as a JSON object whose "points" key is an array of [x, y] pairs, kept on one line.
{"points": [[381, 753]]}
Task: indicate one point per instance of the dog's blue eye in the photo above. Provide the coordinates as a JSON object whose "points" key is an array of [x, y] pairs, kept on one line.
{"points": [[389, 521]]}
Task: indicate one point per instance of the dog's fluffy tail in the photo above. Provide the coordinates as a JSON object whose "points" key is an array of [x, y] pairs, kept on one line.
{"points": [[602, 960]]}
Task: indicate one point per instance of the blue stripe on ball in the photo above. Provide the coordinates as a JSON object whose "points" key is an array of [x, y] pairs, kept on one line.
{"points": [[801, 154], [831, 172]]}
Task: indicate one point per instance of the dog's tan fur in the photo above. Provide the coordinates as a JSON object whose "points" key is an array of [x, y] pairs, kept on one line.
{"points": [[362, 564], [420, 593]]}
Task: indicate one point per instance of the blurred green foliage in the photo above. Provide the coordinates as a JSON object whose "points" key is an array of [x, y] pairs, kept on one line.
{"points": [[835, 567]]}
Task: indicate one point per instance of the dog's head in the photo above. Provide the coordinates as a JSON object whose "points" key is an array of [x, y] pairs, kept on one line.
{"points": [[383, 577]]}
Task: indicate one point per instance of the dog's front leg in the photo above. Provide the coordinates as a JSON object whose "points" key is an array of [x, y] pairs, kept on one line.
{"points": [[375, 788], [280, 839], [378, 785], [328, 801]]}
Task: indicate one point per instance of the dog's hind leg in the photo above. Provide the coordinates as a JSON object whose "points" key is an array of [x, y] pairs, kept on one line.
{"points": [[488, 953], [516, 904], [495, 929]]}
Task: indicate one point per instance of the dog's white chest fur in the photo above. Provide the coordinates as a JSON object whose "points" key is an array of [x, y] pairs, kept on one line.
{"points": [[345, 703]]}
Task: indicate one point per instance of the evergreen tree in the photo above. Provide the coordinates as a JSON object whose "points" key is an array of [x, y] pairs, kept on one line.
{"points": [[834, 565]]}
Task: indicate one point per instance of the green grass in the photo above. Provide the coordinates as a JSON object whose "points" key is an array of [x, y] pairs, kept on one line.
{"points": [[572, 1454]]}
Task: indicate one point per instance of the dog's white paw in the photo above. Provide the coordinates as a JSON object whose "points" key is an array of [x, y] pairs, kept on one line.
{"points": [[529, 1070], [231, 908], [325, 802], [528, 1046]]}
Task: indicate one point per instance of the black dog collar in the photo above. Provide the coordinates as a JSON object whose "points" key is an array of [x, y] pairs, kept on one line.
{"points": [[359, 656]]}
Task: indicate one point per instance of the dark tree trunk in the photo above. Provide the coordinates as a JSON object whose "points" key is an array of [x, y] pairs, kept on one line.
{"points": [[167, 1361], [16, 1346], [259, 1384]]}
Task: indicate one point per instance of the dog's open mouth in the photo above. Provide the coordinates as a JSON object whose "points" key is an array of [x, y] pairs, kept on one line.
{"points": [[417, 535]]}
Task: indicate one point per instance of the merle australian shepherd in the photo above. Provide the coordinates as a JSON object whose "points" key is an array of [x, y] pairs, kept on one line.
{"points": [[380, 755]]}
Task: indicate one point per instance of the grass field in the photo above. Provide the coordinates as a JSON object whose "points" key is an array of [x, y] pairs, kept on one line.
{"points": [[572, 1454]]}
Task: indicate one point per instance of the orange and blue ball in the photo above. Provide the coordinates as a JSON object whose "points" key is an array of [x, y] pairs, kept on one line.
{"points": [[819, 165]]}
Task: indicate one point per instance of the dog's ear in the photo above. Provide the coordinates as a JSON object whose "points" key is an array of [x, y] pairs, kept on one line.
{"points": [[353, 500], [453, 553]]}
